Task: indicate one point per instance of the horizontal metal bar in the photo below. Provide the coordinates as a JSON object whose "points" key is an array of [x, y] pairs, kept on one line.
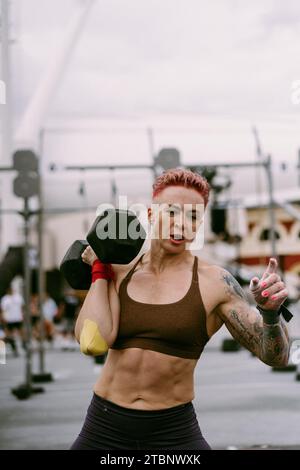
{"points": [[6, 168], [69, 210], [63, 210], [152, 167], [228, 165], [108, 167]]}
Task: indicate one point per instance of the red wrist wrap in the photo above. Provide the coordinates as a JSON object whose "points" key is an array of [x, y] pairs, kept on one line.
{"points": [[102, 271]]}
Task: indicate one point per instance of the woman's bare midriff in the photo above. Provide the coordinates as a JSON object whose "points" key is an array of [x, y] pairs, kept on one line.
{"points": [[145, 379]]}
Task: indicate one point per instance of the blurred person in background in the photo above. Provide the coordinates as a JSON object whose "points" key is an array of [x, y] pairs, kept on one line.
{"points": [[12, 318], [298, 286], [50, 311], [67, 312], [35, 316]]}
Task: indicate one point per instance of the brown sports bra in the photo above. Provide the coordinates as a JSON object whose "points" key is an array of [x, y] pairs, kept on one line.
{"points": [[177, 329]]}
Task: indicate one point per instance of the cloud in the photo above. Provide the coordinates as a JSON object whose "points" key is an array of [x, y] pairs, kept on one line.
{"points": [[214, 58]]}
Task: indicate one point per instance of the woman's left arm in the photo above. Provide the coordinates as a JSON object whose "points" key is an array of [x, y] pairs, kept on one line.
{"points": [[264, 334]]}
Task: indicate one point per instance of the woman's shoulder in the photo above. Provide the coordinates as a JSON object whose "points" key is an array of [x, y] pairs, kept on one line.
{"points": [[208, 268]]}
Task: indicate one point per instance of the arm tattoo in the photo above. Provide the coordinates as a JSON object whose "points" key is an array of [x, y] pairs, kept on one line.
{"points": [[232, 286], [268, 342], [248, 334], [275, 345]]}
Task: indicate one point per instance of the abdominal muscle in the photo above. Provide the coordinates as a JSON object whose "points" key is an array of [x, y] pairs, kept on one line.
{"points": [[146, 380]]}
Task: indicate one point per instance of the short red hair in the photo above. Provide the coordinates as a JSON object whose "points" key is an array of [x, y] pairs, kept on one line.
{"points": [[181, 177]]}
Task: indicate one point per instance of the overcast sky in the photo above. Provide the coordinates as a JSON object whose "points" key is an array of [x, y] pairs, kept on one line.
{"points": [[222, 57], [199, 72]]}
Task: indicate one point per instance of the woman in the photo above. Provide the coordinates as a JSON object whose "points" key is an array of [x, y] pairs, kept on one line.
{"points": [[156, 315], [12, 305]]}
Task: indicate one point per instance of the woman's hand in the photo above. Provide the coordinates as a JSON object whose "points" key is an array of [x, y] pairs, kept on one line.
{"points": [[269, 292], [89, 256]]}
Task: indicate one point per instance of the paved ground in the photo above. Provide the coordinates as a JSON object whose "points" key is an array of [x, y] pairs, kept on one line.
{"points": [[239, 402]]}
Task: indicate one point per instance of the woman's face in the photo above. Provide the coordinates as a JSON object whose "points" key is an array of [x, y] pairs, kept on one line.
{"points": [[176, 215]]}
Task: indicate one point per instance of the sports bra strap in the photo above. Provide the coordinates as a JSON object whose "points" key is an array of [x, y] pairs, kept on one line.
{"points": [[129, 274]]}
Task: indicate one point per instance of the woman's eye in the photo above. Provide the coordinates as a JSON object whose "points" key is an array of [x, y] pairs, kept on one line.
{"points": [[172, 212], [193, 216]]}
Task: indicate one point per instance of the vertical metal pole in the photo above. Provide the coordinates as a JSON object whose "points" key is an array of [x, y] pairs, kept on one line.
{"points": [[151, 142], [238, 238], [298, 166], [259, 157], [83, 195], [5, 76], [151, 148], [113, 188], [41, 289], [268, 167], [41, 279], [27, 292], [1, 242], [6, 224]]}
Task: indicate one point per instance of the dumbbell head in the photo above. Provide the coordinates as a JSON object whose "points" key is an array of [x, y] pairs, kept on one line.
{"points": [[76, 272], [116, 236]]}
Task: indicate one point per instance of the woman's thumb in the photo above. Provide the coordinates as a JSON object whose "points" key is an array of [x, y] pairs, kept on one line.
{"points": [[254, 283]]}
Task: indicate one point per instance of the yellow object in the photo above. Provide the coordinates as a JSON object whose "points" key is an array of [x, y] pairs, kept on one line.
{"points": [[91, 341]]}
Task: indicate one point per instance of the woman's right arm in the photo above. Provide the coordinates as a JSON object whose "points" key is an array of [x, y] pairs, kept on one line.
{"points": [[98, 320]]}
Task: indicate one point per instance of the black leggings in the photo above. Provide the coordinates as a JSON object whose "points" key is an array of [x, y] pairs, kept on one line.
{"points": [[109, 426]]}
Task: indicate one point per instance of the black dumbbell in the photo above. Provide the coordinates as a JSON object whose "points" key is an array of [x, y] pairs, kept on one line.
{"points": [[76, 272], [116, 237]]}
